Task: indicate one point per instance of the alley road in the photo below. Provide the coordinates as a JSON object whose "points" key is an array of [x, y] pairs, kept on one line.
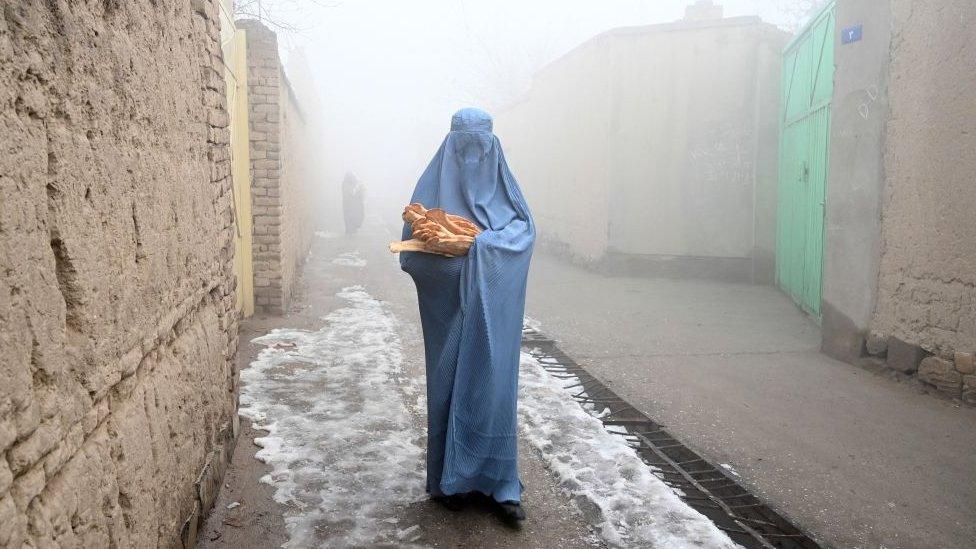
{"points": [[337, 387], [855, 458]]}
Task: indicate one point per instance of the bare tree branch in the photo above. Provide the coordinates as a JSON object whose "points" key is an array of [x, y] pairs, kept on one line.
{"points": [[798, 12], [282, 15], [495, 74]]}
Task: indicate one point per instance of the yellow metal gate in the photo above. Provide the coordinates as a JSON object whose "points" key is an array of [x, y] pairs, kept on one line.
{"points": [[232, 41]]}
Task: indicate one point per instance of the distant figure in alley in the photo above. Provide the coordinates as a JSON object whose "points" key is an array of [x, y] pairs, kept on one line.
{"points": [[353, 192], [471, 310]]}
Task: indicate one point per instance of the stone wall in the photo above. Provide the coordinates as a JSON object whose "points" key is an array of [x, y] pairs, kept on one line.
{"points": [[279, 178], [927, 280], [117, 323]]}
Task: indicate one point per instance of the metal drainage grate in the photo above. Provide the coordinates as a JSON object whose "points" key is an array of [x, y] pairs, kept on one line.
{"points": [[708, 489]]}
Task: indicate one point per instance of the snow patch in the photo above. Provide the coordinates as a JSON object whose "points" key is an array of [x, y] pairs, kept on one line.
{"points": [[616, 491], [529, 323], [730, 469], [345, 454], [349, 259], [409, 534], [328, 235]]}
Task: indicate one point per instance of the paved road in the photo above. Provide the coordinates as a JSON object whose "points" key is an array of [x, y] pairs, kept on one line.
{"points": [[856, 458]]}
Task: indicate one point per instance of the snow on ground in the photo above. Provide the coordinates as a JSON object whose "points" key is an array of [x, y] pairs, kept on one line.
{"points": [[531, 323], [730, 469], [328, 235], [345, 454], [615, 490], [349, 259]]}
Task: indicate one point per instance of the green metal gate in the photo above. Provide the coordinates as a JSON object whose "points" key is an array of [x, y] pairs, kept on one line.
{"points": [[808, 82]]}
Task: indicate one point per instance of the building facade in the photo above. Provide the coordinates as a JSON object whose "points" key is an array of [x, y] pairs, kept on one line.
{"points": [[654, 149], [281, 155], [899, 282]]}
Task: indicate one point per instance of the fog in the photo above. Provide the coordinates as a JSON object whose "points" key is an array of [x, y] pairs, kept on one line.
{"points": [[387, 74]]}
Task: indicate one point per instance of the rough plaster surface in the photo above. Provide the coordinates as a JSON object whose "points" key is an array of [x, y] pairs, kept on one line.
{"points": [[549, 145], [280, 152], [927, 281], [855, 180], [116, 298], [624, 145]]}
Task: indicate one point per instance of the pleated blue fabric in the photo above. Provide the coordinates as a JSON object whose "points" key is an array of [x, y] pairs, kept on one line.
{"points": [[471, 310]]}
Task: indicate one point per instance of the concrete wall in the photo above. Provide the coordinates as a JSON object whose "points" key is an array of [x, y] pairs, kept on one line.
{"points": [[855, 178], [117, 295], [297, 174], [280, 178], [664, 137], [559, 150], [768, 69], [685, 168]]}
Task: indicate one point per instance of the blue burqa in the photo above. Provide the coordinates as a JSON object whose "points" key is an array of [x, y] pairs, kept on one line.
{"points": [[471, 311]]}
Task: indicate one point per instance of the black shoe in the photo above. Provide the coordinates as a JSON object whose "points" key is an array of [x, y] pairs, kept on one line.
{"points": [[451, 503], [511, 513]]}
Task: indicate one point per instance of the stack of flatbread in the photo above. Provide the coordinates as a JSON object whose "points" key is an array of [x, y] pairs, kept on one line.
{"points": [[437, 232]]}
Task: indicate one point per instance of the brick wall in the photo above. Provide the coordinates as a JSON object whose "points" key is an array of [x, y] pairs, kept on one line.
{"points": [[279, 178], [117, 323]]}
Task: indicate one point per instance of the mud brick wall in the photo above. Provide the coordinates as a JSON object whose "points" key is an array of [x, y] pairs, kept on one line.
{"points": [[927, 284], [279, 178], [117, 324]]}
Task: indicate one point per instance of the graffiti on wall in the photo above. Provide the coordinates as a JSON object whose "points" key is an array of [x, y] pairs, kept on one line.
{"points": [[871, 94]]}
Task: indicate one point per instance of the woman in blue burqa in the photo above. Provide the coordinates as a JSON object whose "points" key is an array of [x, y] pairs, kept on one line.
{"points": [[471, 311]]}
